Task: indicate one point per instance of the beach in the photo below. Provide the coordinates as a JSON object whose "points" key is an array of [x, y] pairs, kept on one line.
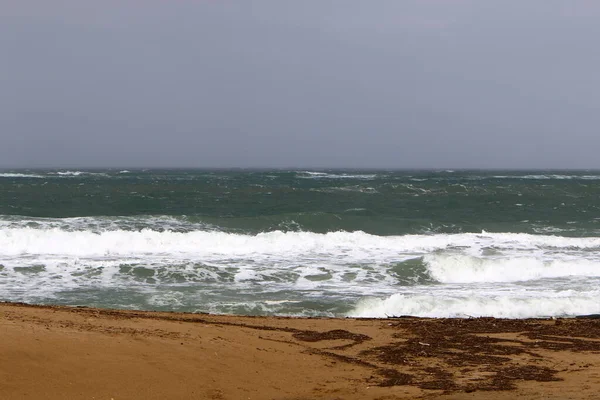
{"points": [[55, 352], [296, 284], [341, 200]]}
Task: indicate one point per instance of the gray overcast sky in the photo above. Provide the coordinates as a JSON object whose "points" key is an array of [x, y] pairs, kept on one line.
{"points": [[281, 83]]}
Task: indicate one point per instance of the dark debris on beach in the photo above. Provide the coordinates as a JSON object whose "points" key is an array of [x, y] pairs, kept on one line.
{"points": [[468, 355]]}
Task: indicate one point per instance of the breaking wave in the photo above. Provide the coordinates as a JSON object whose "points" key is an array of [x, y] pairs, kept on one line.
{"points": [[458, 268], [433, 275], [325, 175], [538, 304]]}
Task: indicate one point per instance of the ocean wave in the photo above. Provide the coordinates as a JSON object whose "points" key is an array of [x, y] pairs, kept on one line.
{"points": [[50, 237], [57, 174], [325, 175], [77, 173], [458, 268], [566, 303], [304, 260], [350, 245], [105, 223], [437, 275], [19, 175], [69, 173], [353, 188], [548, 176]]}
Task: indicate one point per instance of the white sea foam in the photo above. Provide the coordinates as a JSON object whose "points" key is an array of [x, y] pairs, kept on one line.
{"points": [[325, 175], [58, 174], [168, 299], [70, 173], [198, 244], [352, 246], [499, 274], [460, 268], [548, 176], [353, 188], [299, 260], [102, 224], [77, 173], [19, 175], [539, 304]]}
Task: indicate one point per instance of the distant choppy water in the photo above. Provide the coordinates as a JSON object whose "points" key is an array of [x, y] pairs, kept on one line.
{"points": [[332, 243]]}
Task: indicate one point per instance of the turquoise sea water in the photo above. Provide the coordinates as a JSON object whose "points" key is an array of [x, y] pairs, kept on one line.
{"points": [[336, 243]]}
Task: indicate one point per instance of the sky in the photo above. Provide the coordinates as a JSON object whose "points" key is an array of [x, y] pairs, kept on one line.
{"points": [[303, 83]]}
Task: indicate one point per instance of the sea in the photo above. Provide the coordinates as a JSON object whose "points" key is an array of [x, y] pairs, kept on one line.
{"points": [[331, 243]]}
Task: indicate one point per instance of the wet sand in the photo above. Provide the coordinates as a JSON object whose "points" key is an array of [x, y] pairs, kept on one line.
{"points": [[84, 353]]}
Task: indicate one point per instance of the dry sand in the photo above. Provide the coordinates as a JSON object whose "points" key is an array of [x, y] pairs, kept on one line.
{"points": [[84, 353]]}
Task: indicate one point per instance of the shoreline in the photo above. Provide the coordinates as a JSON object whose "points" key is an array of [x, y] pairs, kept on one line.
{"points": [[57, 352]]}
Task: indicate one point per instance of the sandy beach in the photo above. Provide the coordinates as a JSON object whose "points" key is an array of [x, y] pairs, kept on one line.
{"points": [[84, 353]]}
